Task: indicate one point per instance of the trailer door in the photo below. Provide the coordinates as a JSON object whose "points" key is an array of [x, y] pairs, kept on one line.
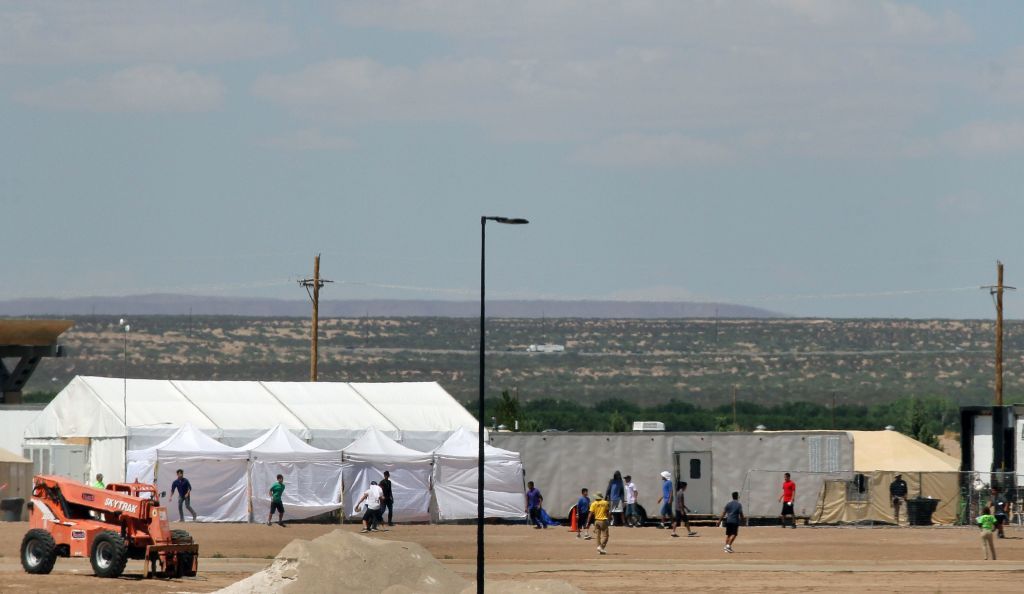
{"points": [[695, 469]]}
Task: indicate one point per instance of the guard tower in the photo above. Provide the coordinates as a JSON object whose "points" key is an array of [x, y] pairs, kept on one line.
{"points": [[25, 343]]}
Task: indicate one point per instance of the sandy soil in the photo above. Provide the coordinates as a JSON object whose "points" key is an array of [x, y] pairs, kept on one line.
{"points": [[644, 559]]}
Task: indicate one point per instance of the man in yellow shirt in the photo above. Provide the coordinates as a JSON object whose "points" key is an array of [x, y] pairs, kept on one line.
{"points": [[598, 517]]}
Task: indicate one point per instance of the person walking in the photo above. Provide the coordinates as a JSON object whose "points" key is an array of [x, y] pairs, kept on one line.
{"points": [[681, 515], [183, 488], [388, 502], [98, 483], [616, 491], [372, 496], [732, 516], [598, 516], [788, 498], [987, 523], [533, 504], [632, 519], [276, 503], [666, 499], [582, 514], [898, 494]]}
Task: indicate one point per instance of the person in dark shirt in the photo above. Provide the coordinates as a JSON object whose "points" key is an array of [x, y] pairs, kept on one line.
{"points": [[184, 490], [999, 507], [534, 500], [732, 517], [582, 511], [898, 494], [389, 500]]}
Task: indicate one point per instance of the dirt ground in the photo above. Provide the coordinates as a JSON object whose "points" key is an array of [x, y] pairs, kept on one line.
{"points": [[807, 559]]}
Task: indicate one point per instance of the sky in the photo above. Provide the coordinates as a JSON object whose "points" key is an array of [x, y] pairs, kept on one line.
{"points": [[844, 158]]}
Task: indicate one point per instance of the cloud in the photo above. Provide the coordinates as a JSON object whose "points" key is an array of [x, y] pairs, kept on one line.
{"points": [[645, 150], [308, 139], [789, 77], [984, 138], [592, 22], [151, 88], [48, 32]]}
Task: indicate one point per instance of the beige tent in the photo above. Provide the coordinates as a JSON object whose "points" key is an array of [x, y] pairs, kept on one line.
{"points": [[878, 456]]}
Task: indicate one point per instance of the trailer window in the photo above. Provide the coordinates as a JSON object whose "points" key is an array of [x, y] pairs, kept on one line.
{"points": [[694, 468]]}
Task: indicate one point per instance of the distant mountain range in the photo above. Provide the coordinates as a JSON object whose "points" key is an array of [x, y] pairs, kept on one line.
{"points": [[172, 304]]}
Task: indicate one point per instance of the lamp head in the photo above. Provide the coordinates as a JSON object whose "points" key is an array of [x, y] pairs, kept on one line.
{"points": [[507, 220], [127, 327]]}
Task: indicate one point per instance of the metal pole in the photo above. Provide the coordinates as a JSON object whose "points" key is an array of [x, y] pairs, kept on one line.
{"points": [[480, 428]]}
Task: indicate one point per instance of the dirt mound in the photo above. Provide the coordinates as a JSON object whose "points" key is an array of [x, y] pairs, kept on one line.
{"points": [[345, 562]]}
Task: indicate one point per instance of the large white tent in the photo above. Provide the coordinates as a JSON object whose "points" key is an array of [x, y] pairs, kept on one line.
{"points": [[92, 411], [217, 473], [367, 458], [312, 476], [456, 475]]}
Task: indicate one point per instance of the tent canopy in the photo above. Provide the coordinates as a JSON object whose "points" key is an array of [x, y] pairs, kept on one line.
{"points": [[188, 441], [891, 450], [95, 407], [465, 444], [373, 446], [280, 445]]}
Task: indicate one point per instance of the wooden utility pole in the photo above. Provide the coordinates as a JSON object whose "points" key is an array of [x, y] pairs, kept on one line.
{"points": [[999, 336], [997, 293], [313, 286]]}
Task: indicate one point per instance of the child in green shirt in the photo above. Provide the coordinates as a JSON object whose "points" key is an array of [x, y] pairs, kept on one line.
{"points": [[276, 491], [987, 523]]}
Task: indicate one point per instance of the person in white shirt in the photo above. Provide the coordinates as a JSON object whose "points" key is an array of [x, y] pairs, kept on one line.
{"points": [[631, 495], [372, 497]]}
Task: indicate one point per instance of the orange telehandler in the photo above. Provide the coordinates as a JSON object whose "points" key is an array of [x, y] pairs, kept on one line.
{"points": [[123, 521]]}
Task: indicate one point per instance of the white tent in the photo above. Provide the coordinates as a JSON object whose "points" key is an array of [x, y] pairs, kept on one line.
{"points": [[455, 479], [312, 476], [92, 411], [367, 458], [218, 473]]}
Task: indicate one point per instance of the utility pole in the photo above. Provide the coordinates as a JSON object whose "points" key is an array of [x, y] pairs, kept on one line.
{"points": [[997, 295], [313, 286]]}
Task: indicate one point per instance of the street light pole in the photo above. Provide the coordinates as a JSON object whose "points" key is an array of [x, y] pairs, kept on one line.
{"points": [[480, 403], [127, 328]]}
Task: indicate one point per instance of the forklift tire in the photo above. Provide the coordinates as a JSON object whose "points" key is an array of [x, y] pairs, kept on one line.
{"points": [[184, 559], [38, 551], [109, 555]]}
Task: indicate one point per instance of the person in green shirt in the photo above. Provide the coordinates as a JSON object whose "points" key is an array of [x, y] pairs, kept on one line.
{"points": [[98, 483], [276, 490], [987, 523]]}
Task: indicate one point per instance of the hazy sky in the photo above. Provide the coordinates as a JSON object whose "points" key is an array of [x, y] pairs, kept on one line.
{"points": [[847, 158]]}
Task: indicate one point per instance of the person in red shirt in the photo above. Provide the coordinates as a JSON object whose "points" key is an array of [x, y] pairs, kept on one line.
{"points": [[787, 498]]}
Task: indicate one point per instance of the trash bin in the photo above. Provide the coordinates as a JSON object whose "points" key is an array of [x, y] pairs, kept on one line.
{"points": [[10, 509], [920, 510]]}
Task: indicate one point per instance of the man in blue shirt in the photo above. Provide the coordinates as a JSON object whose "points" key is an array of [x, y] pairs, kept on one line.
{"points": [[184, 490], [533, 502], [582, 511], [666, 499]]}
